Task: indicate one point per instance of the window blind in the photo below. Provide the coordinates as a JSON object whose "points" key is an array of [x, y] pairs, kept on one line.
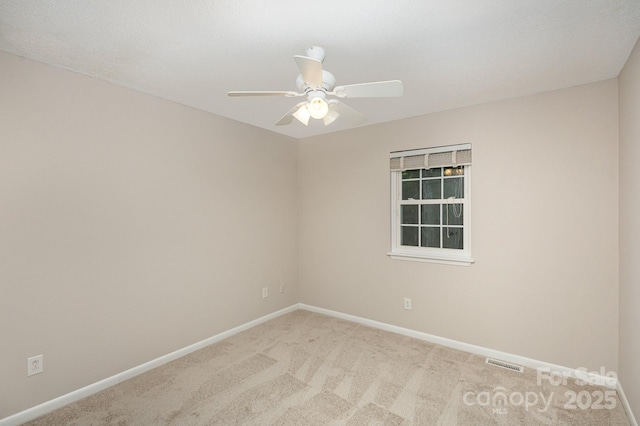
{"points": [[429, 158]]}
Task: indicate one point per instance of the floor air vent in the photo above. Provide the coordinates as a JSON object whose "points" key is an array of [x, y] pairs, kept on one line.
{"points": [[506, 365]]}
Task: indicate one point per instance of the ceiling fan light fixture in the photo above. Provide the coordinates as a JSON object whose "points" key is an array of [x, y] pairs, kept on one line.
{"points": [[318, 108], [302, 114], [316, 84]]}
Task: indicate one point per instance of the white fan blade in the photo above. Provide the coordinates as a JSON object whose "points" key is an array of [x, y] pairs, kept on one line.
{"points": [[331, 116], [349, 114], [288, 117], [311, 70], [265, 93], [378, 89]]}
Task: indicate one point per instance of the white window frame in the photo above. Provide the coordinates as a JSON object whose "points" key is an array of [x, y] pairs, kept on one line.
{"points": [[431, 254]]}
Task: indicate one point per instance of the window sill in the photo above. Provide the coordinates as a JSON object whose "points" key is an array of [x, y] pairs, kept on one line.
{"points": [[446, 260]]}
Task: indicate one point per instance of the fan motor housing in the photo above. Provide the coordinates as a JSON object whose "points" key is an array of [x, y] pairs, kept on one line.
{"points": [[328, 83]]}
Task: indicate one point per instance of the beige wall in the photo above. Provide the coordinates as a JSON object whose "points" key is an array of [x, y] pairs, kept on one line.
{"points": [[544, 236], [129, 227], [629, 82]]}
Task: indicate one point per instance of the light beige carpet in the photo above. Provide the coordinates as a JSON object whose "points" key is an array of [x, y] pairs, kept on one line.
{"points": [[309, 369]]}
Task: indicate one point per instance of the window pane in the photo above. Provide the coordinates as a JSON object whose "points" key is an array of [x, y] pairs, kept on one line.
{"points": [[409, 236], [452, 238], [410, 174], [431, 189], [454, 188], [409, 214], [453, 214], [411, 190], [431, 172], [454, 171], [430, 214], [430, 237]]}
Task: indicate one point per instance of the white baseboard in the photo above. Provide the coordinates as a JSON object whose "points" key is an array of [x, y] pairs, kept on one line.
{"points": [[625, 404], [42, 409], [485, 352], [466, 347], [49, 406]]}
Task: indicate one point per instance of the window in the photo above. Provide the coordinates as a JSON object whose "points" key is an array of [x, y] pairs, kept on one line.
{"points": [[431, 204]]}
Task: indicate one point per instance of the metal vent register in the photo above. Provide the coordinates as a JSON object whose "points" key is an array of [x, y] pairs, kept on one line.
{"points": [[505, 365]]}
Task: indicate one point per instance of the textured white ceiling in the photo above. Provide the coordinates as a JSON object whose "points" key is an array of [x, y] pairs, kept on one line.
{"points": [[448, 53]]}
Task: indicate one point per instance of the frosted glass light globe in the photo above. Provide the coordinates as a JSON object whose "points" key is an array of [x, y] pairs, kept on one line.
{"points": [[318, 108]]}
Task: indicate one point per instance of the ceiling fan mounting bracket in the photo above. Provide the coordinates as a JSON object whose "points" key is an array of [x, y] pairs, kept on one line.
{"points": [[316, 52]]}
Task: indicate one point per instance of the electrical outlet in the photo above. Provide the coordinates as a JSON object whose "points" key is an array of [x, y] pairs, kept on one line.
{"points": [[35, 365], [265, 292], [407, 303], [281, 288]]}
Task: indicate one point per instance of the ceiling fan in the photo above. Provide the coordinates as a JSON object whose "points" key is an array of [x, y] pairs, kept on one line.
{"points": [[316, 84]]}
